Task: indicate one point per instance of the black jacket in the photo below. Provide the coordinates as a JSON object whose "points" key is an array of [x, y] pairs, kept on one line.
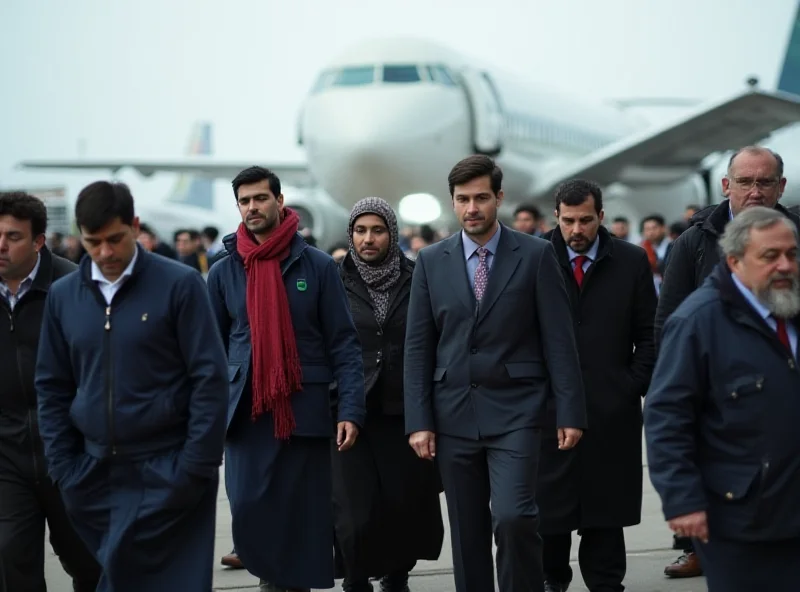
{"points": [[19, 342], [598, 484], [693, 257], [382, 345]]}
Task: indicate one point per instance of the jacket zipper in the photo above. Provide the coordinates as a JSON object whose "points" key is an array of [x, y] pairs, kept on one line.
{"points": [[110, 382], [25, 399]]}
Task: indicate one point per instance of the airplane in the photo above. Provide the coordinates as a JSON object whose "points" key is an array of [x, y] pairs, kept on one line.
{"points": [[192, 203], [390, 117]]}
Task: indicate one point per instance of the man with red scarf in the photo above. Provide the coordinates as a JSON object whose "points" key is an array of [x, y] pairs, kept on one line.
{"points": [[285, 320]]}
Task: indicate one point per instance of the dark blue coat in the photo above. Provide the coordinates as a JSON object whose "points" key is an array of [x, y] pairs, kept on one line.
{"points": [[137, 378], [721, 418], [327, 340]]}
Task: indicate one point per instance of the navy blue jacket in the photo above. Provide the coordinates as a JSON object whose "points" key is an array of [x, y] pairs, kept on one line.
{"points": [[721, 417], [141, 377], [327, 340]]}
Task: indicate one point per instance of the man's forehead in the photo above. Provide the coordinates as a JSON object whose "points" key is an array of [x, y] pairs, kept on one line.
{"points": [[584, 209], [754, 164], [8, 223], [370, 220], [779, 236], [260, 188]]}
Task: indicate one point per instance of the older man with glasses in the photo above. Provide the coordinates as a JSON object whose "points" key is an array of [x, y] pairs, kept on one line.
{"points": [[754, 178]]}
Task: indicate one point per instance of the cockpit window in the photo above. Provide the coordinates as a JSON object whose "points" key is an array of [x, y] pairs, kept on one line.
{"points": [[325, 79], [391, 74], [405, 73], [441, 75], [355, 76]]}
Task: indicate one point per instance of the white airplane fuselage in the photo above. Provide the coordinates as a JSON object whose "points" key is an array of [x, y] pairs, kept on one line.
{"points": [[366, 136]]}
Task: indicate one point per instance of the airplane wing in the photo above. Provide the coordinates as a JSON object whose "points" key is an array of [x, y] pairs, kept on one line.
{"points": [[670, 152], [289, 174]]}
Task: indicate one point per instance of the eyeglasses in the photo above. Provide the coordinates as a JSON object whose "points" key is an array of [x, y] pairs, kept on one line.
{"points": [[761, 183]]}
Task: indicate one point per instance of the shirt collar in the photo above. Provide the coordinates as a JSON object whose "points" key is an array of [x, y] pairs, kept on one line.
{"points": [[591, 253], [30, 277], [762, 310], [98, 276], [470, 246]]}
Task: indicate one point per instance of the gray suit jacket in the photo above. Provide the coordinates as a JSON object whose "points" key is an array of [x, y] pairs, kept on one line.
{"points": [[485, 371]]}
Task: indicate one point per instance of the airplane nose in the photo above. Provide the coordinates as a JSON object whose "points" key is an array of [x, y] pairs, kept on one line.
{"points": [[364, 142]]}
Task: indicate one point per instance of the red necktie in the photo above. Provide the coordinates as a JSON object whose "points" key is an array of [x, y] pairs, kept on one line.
{"points": [[783, 335], [578, 269]]}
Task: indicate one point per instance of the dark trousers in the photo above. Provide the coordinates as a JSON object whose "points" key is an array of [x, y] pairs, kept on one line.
{"points": [[743, 567], [682, 544], [25, 505], [601, 557], [500, 470]]}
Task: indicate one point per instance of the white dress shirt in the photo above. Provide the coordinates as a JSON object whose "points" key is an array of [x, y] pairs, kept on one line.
{"points": [[110, 288]]}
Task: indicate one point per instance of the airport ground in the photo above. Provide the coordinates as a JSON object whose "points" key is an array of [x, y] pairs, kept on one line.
{"points": [[649, 550]]}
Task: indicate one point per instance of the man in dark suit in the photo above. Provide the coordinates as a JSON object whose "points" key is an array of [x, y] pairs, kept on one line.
{"points": [[596, 489], [489, 337]]}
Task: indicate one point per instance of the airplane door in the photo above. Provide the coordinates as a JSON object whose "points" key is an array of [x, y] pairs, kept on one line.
{"points": [[487, 116]]}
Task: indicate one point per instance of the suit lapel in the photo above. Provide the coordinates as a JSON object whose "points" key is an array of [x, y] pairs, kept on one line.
{"points": [[505, 263], [457, 271]]}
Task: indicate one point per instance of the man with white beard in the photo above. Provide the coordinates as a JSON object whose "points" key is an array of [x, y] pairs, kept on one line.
{"points": [[721, 416]]}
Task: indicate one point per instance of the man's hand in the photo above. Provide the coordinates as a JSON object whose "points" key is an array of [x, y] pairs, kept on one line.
{"points": [[424, 444], [694, 525], [568, 437], [346, 434]]}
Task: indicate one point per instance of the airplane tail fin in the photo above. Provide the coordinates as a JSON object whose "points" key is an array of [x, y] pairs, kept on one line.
{"points": [[789, 80], [193, 190]]}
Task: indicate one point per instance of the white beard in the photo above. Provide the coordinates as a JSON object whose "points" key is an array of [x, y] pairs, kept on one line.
{"points": [[784, 303]]}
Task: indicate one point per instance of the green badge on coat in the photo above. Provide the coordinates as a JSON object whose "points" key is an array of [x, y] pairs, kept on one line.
{"points": [[301, 285]]}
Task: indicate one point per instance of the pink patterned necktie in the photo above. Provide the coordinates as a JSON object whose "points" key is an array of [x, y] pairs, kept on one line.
{"points": [[481, 274]]}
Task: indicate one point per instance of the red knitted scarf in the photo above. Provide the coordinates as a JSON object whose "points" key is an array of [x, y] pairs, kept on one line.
{"points": [[276, 364]]}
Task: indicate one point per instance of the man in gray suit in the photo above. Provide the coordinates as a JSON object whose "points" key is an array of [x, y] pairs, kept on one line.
{"points": [[489, 336]]}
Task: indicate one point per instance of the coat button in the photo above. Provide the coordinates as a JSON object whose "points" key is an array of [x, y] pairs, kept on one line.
{"points": [[474, 385], [729, 495], [734, 395]]}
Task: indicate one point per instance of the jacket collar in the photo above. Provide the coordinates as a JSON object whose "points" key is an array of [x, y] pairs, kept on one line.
{"points": [[143, 258], [296, 248], [735, 302], [604, 249], [713, 219], [44, 276]]}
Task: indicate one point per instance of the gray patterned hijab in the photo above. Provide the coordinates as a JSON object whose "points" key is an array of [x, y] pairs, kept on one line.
{"points": [[381, 277]]}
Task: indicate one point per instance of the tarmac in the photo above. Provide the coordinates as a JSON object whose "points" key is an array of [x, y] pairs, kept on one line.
{"points": [[649, 546]]}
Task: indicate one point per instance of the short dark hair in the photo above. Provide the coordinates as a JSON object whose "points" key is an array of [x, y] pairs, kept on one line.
{"points": [[193, 234], [337, 246], [145, 228], [474, 167], [576, 191], [101, 202], [254, 174], [24, 206], [621, 219], [657, 218], [528, 209], [211, 233]]}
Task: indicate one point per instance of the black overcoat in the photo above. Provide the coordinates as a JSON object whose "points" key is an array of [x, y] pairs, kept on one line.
{"points": [[598, 484]]}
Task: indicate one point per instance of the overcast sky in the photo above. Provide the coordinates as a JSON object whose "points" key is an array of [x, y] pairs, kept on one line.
{"points": [[128, 78]]}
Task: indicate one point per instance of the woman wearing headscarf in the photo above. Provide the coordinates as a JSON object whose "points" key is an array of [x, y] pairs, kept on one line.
{"points": [[386, 499]]}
